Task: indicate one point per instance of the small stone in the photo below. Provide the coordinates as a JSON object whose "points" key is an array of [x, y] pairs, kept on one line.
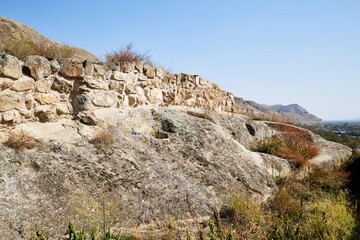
{"points": [[23, 84], [10, 66], [38, 67]]}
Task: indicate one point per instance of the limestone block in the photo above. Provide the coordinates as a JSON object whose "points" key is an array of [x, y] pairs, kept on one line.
{"points": [[88, 118], [29, 103], [5, 83], [127, 77], [142, 77], [159, 73], [10, 66], [202, 81], [37, 66], [101, 71], [133, 100], [82, 102], [9, 101], [23, 84], [169, 79], [46, 98], [128, 67], [95, 83], [103, 98], [71, 68], [62, 85], [117, 86], [149, 71], [43, 86], [154, 95], [12, 116], [63, 109], [88, 68], [139, 66], [130, 89], [55, 66], [45, 113]]}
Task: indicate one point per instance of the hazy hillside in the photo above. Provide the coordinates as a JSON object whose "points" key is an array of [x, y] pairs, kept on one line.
{"points": [[293, 112], [20, 40]]}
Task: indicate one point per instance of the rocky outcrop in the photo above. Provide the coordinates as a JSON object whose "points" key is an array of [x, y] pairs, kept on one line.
{"points": [[42, 85], [13, 34], [138, 179]]}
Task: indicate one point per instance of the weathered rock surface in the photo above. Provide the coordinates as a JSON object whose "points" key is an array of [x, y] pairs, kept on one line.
{"points": [[10, 66], [38, 67], [140, 177]]}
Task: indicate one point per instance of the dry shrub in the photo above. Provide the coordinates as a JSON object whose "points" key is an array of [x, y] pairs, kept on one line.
{"points": [[128, 54], [21, 48], [104, 138], [21, 140], [290, 143]]}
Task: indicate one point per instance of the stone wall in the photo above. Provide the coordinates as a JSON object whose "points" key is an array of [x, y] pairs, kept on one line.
{"points": [[41, 89]]}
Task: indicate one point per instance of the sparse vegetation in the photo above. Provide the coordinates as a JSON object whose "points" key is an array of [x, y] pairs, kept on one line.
{"points": [[21, 48], [290, 143], [21, 140], [270, 119], [104, 138], [128, 54], [315, 207]]}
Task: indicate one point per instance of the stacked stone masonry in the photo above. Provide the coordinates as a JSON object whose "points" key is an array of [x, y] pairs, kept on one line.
{"points": [[42, 89]]}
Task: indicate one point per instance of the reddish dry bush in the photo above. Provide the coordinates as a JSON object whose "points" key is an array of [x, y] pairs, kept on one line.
{"points": [[290, 143], [128, 54]]}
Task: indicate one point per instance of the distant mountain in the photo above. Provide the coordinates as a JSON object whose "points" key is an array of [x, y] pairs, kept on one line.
{"points": [[292, 112]]}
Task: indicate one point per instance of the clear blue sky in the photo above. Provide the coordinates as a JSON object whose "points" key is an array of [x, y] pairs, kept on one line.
{"points": [[305, 52]]}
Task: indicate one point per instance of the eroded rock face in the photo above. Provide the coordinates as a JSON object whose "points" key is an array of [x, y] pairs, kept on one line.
{"points": [[10, 66], [141, 177]]}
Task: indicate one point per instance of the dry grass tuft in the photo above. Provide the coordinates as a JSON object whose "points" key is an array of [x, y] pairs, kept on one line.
{"points": [[128, 54], [21, 48], [104, 138], [21, 140]]}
